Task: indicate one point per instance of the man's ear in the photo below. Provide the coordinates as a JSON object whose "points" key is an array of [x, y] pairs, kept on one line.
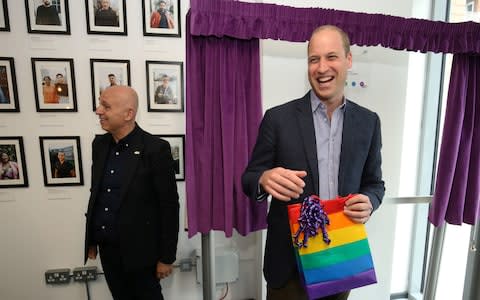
{"points": [[129, 115]]}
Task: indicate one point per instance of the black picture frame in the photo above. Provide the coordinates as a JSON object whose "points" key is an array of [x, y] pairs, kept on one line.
{"points": [[52, 149], [177, 146], [159, 98], [56, 78], [102, 71], [111, 21], [47, 22], [152, 18], [8, 86], [4, 20], [15, 174]]}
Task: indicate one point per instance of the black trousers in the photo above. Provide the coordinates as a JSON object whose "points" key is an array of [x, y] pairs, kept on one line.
{"points": [[128, 284], [294, 290]]}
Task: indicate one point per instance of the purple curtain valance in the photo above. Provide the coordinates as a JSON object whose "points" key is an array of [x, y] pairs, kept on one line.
{"points": [[270, 21]]}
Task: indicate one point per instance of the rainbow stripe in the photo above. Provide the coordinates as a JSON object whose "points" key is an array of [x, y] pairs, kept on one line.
{"points": [[343, 264]]}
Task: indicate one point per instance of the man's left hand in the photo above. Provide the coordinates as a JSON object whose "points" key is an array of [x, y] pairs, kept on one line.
{"points": [[358, 208], [163, 270]]}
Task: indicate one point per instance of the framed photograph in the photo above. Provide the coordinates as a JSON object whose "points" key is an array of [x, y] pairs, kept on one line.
{"points": [[106, 73], [177, 145], [47, 16], [54, 84], [4, 22], [61, 160], [161, 17], [165, 86], [13, 170], [8, 86], [106, 17]]}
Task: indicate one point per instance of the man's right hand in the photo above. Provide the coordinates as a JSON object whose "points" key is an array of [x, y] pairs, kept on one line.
{"points": [[283, 184], [92, 252]]}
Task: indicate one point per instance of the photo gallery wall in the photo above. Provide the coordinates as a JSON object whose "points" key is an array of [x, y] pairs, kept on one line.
{"points": [[55, 86]]}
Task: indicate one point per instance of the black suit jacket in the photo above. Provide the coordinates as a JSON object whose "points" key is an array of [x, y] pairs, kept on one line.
{"points": [[148, 218], [287, 139]]}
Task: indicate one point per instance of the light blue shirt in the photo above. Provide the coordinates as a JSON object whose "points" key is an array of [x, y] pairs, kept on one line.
{"points": [[328, 136]]}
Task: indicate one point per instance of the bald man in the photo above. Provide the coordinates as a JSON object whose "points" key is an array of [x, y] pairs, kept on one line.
{"points": [[133, 211]]}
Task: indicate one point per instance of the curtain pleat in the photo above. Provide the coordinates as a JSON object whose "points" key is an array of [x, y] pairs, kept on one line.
{"points": [[223, 114], [457, 190], [243, 20]]}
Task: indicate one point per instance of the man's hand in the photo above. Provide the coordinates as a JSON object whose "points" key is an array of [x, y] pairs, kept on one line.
{"points": [[92, 252], [283, 184], [358, 208], [163, 270]]}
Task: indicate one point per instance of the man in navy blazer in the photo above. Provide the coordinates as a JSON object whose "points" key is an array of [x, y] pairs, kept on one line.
{"points": [[320, 144], [133, 211]]}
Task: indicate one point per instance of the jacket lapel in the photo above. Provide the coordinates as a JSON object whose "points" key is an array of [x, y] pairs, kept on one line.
{"points": [[307, 132], [350, 125]]}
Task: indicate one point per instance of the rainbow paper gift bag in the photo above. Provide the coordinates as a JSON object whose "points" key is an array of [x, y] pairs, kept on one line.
{"points": [[332, 252]]}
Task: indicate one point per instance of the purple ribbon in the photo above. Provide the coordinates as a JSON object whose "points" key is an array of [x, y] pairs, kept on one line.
{"points": [[312, 217]]}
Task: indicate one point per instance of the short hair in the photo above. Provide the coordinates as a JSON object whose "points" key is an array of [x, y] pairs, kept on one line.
{"points": [[111, 75], [47, 77], [343, 35], [59, 74]]}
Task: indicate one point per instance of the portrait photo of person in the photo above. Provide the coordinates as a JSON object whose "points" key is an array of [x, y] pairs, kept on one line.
{"points": [[105, 15], [12, 162], [63, 167], [54, 84], [4, 92], [107, 73], [47, 16], [165, 86], [161, 17], [111, 81], [61, 160], [8, 86], [61, 87], [49, 91], [163, 92], [8, 166]]}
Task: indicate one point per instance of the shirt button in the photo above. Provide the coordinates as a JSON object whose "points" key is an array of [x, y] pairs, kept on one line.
{"points": [[106, 208], [103, 226], [112, 171], [109, 190], [126, 145], [116, 153]]}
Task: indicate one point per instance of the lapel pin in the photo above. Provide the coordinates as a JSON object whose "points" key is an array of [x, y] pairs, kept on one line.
{"points": [[136, 152]]}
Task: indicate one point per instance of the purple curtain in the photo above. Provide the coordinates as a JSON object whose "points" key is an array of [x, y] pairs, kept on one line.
{"points": [[270, 21], [223, 101], [223, 115], [457, 190]]}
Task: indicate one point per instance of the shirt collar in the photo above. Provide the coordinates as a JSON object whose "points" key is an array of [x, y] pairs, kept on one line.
{"points": [[127, 140], [316, 103]]}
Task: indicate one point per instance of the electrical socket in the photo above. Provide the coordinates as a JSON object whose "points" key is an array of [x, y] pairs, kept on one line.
{"points": [[185, 265], [85, 273], [57, 276]]}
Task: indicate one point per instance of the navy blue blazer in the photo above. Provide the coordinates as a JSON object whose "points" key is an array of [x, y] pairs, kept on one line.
{"points": [[148, 218], [287, 139]]}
